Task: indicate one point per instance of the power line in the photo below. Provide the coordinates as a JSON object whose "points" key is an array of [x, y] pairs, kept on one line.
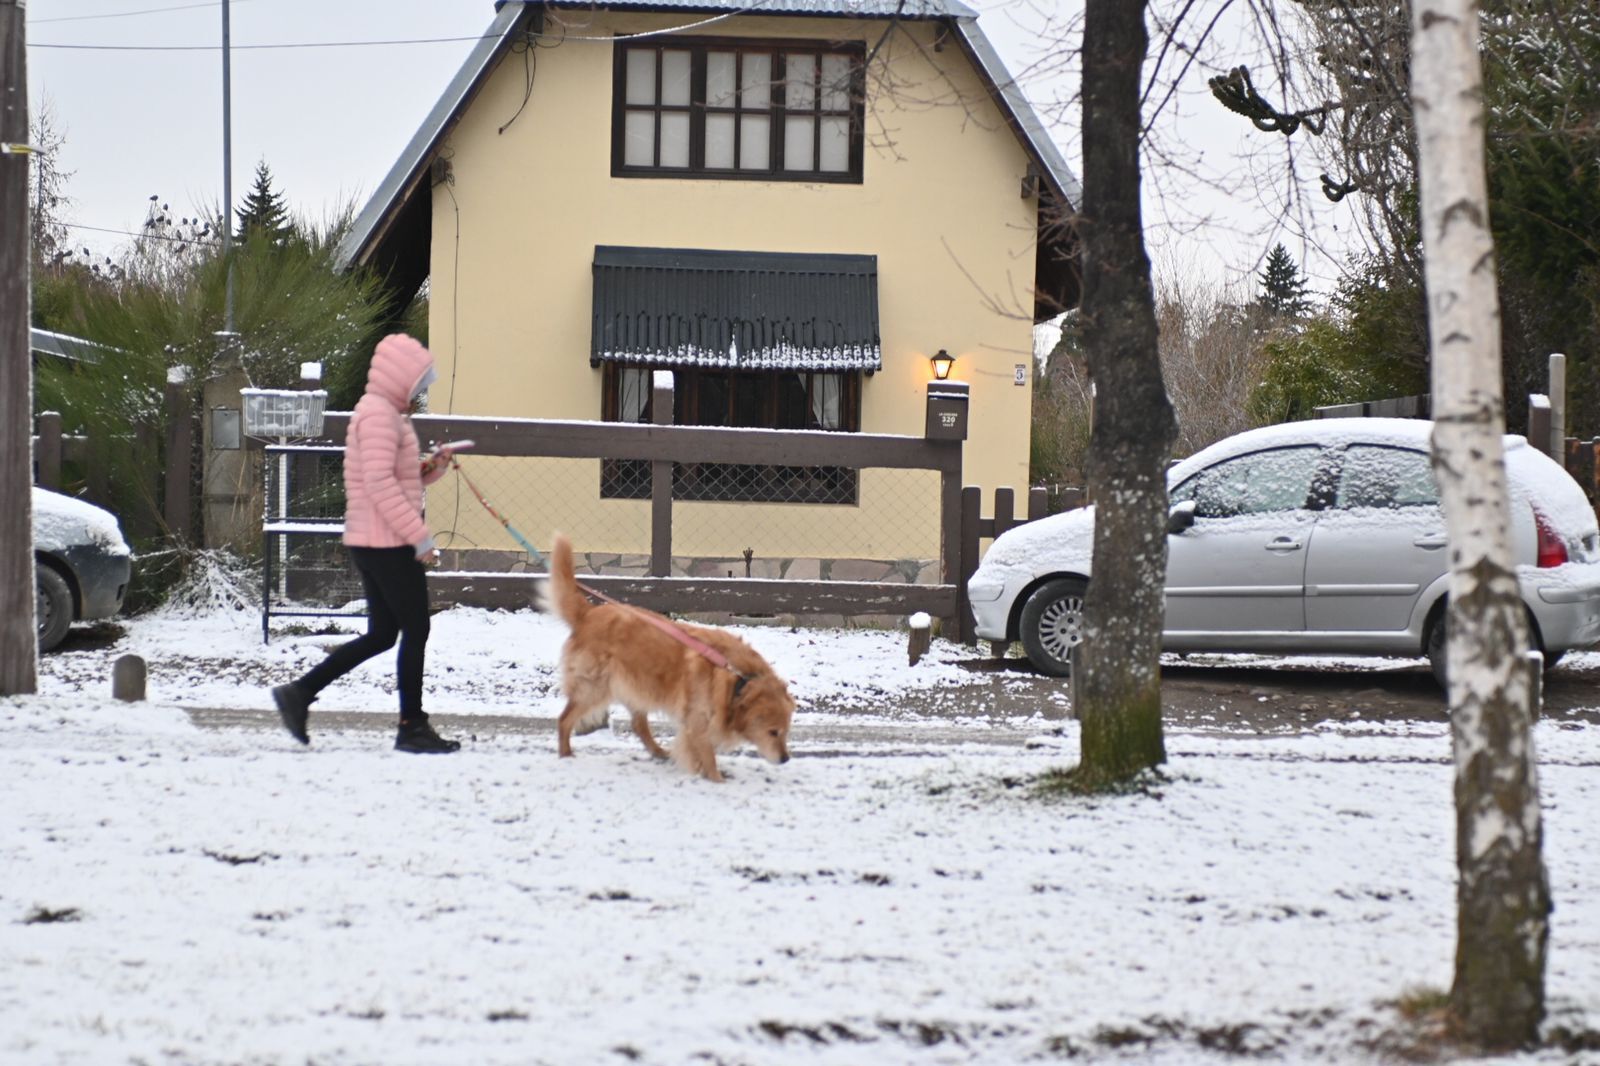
{"points": [[557, 37], [126, 14], [131, 233], [253, 47]]}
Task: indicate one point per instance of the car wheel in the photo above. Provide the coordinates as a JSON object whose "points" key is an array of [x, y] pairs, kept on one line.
{"points": [[1436, 649], [1052, 622], [53, 607]]}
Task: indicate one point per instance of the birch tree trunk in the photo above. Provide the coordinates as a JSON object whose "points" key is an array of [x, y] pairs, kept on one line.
{"points": [[1118, 687], [1502, 895]]}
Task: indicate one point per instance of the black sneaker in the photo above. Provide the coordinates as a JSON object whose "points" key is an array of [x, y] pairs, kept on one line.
{"points": [[420, 739], [293, 707]]}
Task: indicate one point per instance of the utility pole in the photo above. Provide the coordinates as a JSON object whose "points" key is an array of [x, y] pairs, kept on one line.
{"points": [[227, 170], [19, 636]]}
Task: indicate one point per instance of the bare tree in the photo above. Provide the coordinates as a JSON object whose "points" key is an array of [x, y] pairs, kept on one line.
{"points": [[1503, 897], [1213, 351], [1118, 685], [47, 190]]}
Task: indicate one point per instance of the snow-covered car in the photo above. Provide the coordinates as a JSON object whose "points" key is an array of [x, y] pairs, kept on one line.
{"points": [[81, 564], [1313, 537]]}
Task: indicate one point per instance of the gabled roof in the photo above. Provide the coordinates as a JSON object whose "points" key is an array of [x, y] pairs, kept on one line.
{"points": [[394, 230]]}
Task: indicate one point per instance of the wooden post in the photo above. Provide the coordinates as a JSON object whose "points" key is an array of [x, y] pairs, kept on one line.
{"points": [[1004, 505], [971, 513], [1558, 406], [1539, 424], [47, 451], [179, 457], [950, 538], [145, 517], [1038, 503], [921, 636], [19, 643], [661, 481]]}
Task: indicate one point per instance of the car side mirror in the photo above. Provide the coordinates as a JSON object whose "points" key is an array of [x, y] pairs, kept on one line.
{"points": [[1181, 516]]}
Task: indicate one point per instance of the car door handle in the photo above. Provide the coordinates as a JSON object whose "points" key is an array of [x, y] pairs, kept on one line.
{"points": [[1431, 541], [1283, 544]]}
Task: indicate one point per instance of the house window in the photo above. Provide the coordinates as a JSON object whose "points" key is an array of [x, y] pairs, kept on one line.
{"points": [[789, 399], [724, 109]]}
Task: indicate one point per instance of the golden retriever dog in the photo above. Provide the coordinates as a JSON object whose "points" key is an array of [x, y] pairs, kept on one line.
{"points": [[617, 654]]}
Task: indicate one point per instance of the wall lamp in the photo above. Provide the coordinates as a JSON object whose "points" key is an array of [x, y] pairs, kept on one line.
{"points": [[941, 362]]}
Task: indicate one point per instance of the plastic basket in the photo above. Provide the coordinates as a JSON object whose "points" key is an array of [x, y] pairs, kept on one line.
{"points": [[283, 412]]}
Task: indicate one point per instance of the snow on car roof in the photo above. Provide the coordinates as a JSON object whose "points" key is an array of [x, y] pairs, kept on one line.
{"points": [[60, 521], [1533, 476], [1323, 432]]}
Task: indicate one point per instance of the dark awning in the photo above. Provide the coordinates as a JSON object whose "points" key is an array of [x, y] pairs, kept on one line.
{"points": [[736, 310]]}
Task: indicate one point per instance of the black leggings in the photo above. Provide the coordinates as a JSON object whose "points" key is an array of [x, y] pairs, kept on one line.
{"points": [[397, 605]]}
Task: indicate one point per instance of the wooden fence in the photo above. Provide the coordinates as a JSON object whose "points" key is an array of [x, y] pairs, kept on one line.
{"points": [[663, 445], [160, 499]]}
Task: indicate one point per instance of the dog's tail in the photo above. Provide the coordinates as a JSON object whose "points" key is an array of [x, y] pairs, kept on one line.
{"points": [[560, 594]]}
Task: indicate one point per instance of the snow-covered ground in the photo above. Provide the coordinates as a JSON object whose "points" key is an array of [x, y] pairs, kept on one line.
{"points": [[899, 892]]}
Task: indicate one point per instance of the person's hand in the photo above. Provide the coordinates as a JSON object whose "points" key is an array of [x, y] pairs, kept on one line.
{"points": [[428, 557]]}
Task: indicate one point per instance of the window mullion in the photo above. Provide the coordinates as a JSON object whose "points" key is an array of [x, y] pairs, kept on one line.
{"points": [[656, 107], [816, 114], [697, 108], [776, 108], [738, 106]]}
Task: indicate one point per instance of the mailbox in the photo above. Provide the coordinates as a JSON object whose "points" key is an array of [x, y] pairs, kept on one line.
{"points": [[947, 410]]}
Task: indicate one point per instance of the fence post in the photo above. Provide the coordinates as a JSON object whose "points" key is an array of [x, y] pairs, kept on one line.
{"points": [[661, 480], [47, 453], [1004, 508], [1038, 503], [145, 510], [971, 514], [179, 456], [1539, 424], [1558, 405]]}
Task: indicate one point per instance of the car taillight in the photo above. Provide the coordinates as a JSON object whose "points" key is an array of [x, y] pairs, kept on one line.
{"points": [[1552, 549]]}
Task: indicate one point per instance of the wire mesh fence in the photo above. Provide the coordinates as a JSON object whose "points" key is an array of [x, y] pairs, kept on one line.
{"points": [[808, 510], [890, 531], [305, 569]]}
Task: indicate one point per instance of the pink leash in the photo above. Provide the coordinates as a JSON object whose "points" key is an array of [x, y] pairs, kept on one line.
{"points": [[676, 632]]}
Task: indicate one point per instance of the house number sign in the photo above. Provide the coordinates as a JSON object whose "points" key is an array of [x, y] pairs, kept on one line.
{"points": [[1019, 374]]}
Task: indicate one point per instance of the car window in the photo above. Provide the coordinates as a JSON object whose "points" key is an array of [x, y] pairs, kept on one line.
{"points": [[1375, 476], [1276, 480]]}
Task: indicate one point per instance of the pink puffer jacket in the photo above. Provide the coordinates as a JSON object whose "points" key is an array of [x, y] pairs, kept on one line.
{"points": [[383, 476]]}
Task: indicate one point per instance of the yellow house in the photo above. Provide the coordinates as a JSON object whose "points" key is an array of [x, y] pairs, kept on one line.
{"points": [[790, 205]]}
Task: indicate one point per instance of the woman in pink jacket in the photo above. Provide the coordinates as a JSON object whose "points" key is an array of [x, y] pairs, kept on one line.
{"points": [[388, 540]]}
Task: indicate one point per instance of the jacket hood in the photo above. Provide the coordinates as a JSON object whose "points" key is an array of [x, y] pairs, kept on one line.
{"points": [[400, 364]]}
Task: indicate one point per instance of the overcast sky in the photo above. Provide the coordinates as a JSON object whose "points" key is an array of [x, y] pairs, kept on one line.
{"points": [[330, 121]]}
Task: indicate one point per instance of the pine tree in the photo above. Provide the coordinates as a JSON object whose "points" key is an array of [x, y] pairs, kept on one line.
{"points": [[263, 210], [1283, 290]]}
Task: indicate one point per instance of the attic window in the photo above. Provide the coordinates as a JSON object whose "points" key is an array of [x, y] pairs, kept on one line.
{"points": [[736, 109]]}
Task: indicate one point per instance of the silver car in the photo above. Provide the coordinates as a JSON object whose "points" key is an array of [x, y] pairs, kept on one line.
{"points": [[81, 564], [1307, 538]]}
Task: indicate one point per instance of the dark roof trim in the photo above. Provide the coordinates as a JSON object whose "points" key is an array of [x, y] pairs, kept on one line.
{"points": [[1020, 114], [393, 228], [873, 9], [735, 310], [406, 178]]}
